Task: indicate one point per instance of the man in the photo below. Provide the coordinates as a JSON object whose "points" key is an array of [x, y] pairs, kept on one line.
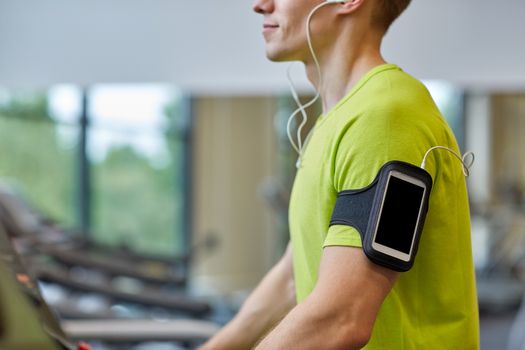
{"points": [[325, 293]]}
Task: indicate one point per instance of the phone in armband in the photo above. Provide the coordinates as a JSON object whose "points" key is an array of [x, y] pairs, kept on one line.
{"points": [[389, 214]]}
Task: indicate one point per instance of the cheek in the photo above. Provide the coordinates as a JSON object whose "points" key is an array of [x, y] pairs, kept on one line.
{"points": [[293, 18], [294, 29]]}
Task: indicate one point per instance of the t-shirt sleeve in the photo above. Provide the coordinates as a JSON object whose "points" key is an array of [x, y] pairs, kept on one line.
{"points": [[365, 146]]}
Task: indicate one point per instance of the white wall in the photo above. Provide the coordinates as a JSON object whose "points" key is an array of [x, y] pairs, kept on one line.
{"points": [[216, 46], [474, 43]]}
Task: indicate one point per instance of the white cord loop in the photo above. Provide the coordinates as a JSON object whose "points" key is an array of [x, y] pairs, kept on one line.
{"points": [[299, 145], [466, 161]]}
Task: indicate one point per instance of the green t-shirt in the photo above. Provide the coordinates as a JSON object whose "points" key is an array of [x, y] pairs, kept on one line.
{"points": [[389, 115]]}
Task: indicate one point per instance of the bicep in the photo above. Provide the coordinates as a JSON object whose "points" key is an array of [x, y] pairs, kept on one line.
{"points": [[351, 284]]}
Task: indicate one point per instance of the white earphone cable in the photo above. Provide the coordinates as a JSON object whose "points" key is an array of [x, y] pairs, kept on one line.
{"points": [[301, 108], [466, 162]]}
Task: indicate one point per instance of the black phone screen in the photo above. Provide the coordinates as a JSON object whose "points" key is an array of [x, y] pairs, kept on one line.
{"points": [[399, 216]]}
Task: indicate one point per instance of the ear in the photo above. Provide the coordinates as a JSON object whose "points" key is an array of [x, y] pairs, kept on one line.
{"points": [[349, 6]]}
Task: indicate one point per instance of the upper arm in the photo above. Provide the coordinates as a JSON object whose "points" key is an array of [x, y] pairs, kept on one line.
{"points": [[352, 287]]}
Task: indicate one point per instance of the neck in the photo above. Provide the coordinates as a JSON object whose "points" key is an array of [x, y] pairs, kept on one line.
{"points": [[342, 66]]}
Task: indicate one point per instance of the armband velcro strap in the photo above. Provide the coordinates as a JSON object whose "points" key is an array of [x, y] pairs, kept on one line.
{"points": [[353, 207]]}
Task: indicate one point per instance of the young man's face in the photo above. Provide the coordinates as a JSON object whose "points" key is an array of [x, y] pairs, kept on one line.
{"points": [[284, 27]]}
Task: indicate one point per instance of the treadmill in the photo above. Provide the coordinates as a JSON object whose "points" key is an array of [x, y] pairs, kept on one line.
{"points": [[26, 323]]}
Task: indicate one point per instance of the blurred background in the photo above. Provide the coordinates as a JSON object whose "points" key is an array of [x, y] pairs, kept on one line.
{"points": [[145, 169]]}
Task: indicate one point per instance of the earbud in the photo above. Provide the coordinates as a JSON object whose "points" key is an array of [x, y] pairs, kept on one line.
{"points": [[337, 1]]}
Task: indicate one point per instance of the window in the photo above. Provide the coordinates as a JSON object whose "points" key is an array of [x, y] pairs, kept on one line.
{"points": [[37, 152], [449, 100], [136, 154]]}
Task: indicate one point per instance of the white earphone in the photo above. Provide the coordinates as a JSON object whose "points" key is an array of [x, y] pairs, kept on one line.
{"points": [[298, 147]]}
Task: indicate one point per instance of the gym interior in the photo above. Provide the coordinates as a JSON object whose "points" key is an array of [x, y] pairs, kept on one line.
{"points": [[145, 168]]}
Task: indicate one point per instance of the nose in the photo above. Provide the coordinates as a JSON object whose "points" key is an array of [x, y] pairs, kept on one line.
{"points": [[263, 6]]}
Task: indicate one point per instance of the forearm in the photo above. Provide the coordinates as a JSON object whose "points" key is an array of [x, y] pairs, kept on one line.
{"points": [[310, 325], [341, 310], [273, 298]]}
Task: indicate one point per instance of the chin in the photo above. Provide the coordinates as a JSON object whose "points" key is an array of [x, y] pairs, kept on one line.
{"points": [[275, 58], [280, 56]]}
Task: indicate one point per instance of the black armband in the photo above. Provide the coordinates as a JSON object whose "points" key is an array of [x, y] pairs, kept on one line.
{"points": [[389, 214]]}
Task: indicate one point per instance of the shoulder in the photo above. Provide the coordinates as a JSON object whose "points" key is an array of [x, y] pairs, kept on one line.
{"points": [[397, 96], [389, 103], [391, 118]]}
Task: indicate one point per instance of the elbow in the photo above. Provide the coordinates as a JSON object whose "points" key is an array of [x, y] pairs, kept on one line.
{"points": [[352, 333], [357, 338]]}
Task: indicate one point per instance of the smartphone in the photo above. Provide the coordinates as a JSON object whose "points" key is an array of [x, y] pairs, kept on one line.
{"points": [[399, 216]]}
